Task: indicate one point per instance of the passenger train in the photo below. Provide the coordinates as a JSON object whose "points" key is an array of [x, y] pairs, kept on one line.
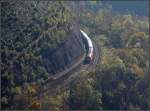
{"points": [[89, 57], [89, 46]]}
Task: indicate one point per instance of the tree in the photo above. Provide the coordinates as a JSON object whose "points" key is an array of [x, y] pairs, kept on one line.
{"points": [[83, 96]]}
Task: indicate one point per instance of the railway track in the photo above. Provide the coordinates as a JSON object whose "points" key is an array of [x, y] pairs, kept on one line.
{"points": [[63, 82], [64, 78], [97, 49]]}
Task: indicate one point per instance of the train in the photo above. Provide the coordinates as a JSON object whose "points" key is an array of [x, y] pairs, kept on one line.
{"points": [[89, 47], [89, 52]]}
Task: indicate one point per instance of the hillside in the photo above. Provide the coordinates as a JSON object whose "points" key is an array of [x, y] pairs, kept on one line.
{"points": [[41, 38]]}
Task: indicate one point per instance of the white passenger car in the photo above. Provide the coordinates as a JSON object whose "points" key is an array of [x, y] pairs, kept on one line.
{"points": [[90, 47]]}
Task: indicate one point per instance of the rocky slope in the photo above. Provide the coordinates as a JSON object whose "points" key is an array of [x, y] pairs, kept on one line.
{"points": [[66, 54]]}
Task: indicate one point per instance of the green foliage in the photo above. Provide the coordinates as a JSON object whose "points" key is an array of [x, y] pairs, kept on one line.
{"points": [[33, 30], [123, 66], [102, 39], [83, 95], [30, 30]]}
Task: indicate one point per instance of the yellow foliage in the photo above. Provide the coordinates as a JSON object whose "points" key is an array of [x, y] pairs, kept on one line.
{"points": [[130, 50], [54, 102], [140, 34], [137, 70], [32, 89], [93, 2], [107, 56], [18, 89], [35, 104]]}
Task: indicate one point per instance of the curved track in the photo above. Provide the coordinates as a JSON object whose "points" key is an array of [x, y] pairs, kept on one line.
{"points": [[64, 78]]}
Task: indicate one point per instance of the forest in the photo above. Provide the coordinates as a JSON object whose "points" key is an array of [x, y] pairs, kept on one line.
{"points": [[33, 29]]}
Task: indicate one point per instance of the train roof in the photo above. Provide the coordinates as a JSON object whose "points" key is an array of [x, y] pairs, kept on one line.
{"points": [[88, 39]]}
